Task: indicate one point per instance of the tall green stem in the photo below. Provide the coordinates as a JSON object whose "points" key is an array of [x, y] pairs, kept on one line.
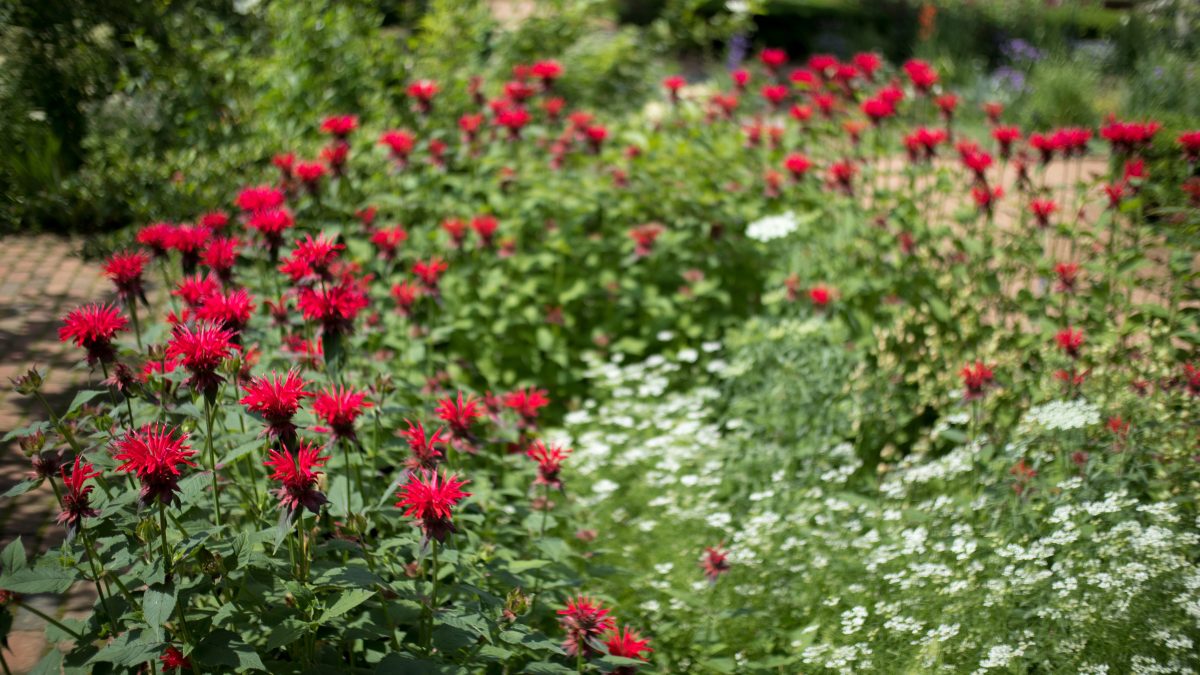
{"points": [[212, 455]]}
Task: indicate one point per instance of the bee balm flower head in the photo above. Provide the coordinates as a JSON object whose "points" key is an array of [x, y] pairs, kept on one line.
{"points": [[156, 454], [429, 497]]}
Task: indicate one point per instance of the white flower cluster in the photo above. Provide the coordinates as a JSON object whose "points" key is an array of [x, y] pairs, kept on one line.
{"points": [[772, 227], [1063, 415]]}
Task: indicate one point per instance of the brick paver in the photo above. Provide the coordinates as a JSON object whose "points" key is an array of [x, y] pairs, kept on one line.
{"points": [[46, 280]]}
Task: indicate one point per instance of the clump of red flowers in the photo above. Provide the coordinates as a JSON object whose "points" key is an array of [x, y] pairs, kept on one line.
{"points": [[93, 327], [425, 453], [459, 414], [526, 403], [430, 497], [156, 455]]}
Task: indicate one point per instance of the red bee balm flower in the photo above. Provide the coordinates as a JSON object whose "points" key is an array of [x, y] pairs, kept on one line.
{"points": [[526, 403], [1042, 209], [429, 497], [549, 463], [232, 310], [339, 407], [584, 621], [125, 271], [820, 296], [425, 454], [773, 59], [173, 659], [75, 502], [201, 348], [430, 272], [1069, 340], [644, 237], [1068, 274], [93, 327], [339, 125], [297, 473], [459, 414], [628, 645], [976, 380], [259, 198], [277, 399], [156, 455], [334, 307], [714, 562]]}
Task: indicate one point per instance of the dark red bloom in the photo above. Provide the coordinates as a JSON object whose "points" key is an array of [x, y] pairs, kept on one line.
{"points": [[422, 92], [339, 407], [1129, 136], [548, 71], [156, 455], [388, 240], [595, 135], [976, 380], [76, 498], [425, 454], [986, 198], [1191, 375], [644, 237], [312, 258], [1042, 209], [921, 74], [195, 288], [201, 349], [797, 165], [714, 562], [514, 119], [93, 327], [429, 497], [221, 255], [232, 309], [922, 143], [1005, 137], [125, 270], [820, 296], [339, 126], [457, 230], [549, 462], [173, 659], [526, 402], [215, 220], [867, 63], [276, 399], [334, 307], [841, 175], [993, 110], [1069, 340], [156, 237], [430, 272], [310, 173], [400, 143], [1068, 274], [405, 294], [259, 198], [271, 224], [775, 94], [459, 414], [584, 620], [628, 645], [1190, 143], [297, 474], [773, 59]]}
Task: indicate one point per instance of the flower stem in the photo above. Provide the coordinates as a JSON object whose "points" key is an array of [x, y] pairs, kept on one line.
{"points": [[432, 597], [91, 554], [162, 529], [53, 622], [212, 455]]}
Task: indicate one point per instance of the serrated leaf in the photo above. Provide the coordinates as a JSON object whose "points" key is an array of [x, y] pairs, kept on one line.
{"points": [[546, 668], [51, 664], [286, 633], [158, 603], [346, 602], [12, 558], [21, 488], [518, 566], [82, 398], [38, 580]]}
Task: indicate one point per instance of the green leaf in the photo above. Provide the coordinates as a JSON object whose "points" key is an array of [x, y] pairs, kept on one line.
{"points": [[21, 488], [82, 398], [46, 579], [547, 668], [518, 566], [158, 603], [348, 601], [223, 648], [51, 664], [286, 633], [12, 558], [129, 649]]}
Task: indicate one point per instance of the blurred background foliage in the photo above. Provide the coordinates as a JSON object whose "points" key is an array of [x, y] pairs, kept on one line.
{"points": [[107, 105]]}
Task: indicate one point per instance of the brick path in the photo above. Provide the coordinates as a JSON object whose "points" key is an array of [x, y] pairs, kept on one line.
{"points": [[44, 281]]}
